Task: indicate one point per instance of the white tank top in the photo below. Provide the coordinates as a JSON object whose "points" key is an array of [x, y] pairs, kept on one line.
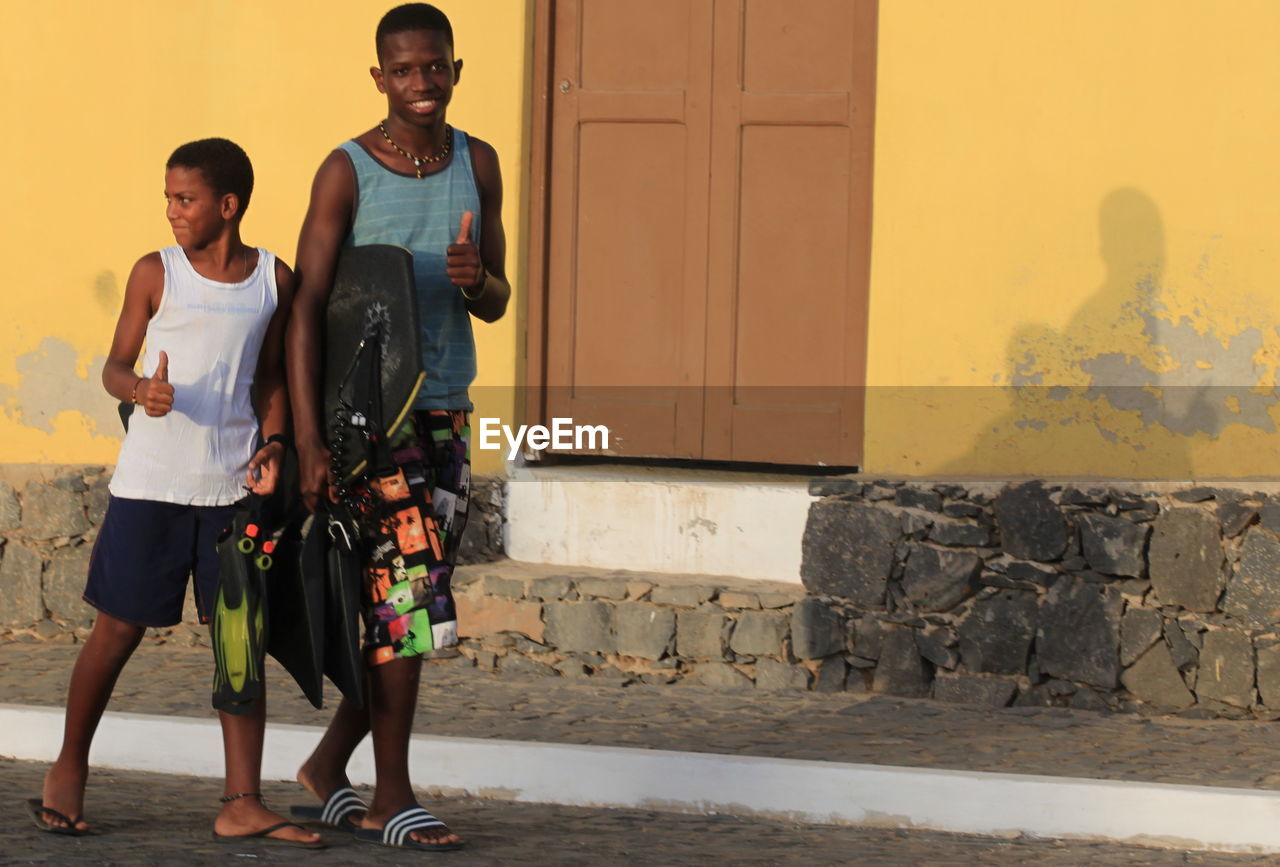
{"points": [[199, 453]]}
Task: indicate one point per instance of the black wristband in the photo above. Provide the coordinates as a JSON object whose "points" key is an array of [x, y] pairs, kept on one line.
{"points": [[277, 438]]}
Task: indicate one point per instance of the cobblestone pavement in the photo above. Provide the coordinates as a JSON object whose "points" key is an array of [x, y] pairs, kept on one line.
{"points": [[469, 702], [163, 819]]}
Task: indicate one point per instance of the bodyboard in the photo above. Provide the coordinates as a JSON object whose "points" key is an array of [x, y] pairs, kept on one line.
{"points": [[373, 300]]}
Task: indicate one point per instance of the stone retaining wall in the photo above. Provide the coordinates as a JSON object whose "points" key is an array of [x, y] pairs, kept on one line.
{"points": [[1053, 595], [49, 518], [630, 626]]}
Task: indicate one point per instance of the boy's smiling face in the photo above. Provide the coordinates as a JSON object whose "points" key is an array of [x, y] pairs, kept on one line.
{"points": [[418, 74], [195, 212]]}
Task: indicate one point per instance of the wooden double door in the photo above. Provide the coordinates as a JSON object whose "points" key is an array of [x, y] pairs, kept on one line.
{"points": [[706, 175]]}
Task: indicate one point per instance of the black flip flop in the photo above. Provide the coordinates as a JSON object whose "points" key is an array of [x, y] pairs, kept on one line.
{"points": [[336, 811], [37, 808], [396, 832], [263, 837]]}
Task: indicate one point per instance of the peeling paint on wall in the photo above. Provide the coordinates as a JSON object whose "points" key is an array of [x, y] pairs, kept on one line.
{"points": [[1127, 351], [51, 382]]}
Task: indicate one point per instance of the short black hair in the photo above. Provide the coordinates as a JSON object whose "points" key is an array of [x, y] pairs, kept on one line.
{"points": [[223, 163], [412, 16]]}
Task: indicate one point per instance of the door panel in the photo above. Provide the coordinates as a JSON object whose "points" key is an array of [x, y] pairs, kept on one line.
{"points": [[626, 271]]}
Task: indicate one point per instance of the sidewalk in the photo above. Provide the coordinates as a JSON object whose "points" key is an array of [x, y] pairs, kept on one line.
{"points": [[468, 702]]}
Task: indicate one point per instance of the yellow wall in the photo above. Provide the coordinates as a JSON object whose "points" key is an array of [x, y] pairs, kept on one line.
{"points": [[1077, 193], [96, 95]]}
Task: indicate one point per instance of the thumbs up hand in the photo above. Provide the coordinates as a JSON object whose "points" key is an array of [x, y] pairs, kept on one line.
{"points": [[155, 394], [463, 257]]}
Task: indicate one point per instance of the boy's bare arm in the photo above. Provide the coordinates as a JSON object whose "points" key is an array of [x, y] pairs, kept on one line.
{"points": [[142, 296], [271, 396], [494, 292], [323, 231]]}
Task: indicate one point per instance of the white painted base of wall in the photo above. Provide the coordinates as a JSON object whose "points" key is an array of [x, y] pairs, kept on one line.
{"points": [[658, 519], [1182, 817]]}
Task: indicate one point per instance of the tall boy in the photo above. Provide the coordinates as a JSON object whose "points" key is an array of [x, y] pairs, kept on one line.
{"points": [[213, 313], [415, 181]]}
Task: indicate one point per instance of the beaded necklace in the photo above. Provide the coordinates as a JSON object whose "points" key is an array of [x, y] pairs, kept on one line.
{"points": [[419, 161]]}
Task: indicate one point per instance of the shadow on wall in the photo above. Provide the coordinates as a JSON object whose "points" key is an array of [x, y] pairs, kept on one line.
{"points": [[50, 383], [1142, 380]]}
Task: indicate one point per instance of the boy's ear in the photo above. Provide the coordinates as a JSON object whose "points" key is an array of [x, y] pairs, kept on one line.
{"points": [[377, 79], [457, 71], [230, 206]]}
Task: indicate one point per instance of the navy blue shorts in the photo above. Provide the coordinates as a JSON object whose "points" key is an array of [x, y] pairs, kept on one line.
{"points": [[144, 554]]}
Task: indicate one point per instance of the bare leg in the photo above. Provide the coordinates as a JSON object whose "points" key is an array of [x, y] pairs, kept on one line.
{"points": [[325, 770], [97, 668], [393, 699], [242, 736]]}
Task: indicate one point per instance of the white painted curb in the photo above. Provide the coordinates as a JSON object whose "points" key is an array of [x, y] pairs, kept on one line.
{"points": [[1184, 817]]}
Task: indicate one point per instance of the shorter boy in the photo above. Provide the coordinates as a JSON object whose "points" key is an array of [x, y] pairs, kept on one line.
{"points": [[213, 313]]}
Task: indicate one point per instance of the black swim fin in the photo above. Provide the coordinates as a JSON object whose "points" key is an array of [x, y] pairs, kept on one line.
{"points": [[239, 613]]}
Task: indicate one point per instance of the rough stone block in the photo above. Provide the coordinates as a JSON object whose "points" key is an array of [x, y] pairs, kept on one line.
{"points": [[1185, 655], [735, 599], [817, 629], [605, 587], [63, 584], [901, 670], [1139, 629], [10, 508], [550, 588], [959, 535], [701, 635], [518, 664], [868, 638], [644, 631], [1041, 575], [480, 615], [831, 675], [913, 498], [970, 689], [774, 675], [1253, 594], [760, 633], [1269, 675], [96, 499], [21, 603], [936, 645], [1269, 517], [996, 636], [580, 626], [1186, 559], [1155, 679], [1235, 517], [683, 595], [48, 512], [847, 551], [720, 675], [1112, 545], [780, 599], [1078, 637], [1226, 668], [1031, 525], [500, 585], [937, 579]]}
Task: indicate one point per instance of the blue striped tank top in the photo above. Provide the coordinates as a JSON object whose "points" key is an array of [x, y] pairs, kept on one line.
{"points": [[422, 215]]}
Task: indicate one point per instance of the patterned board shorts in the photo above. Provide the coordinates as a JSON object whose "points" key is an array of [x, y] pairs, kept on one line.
{"points": [[412, 530]]}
